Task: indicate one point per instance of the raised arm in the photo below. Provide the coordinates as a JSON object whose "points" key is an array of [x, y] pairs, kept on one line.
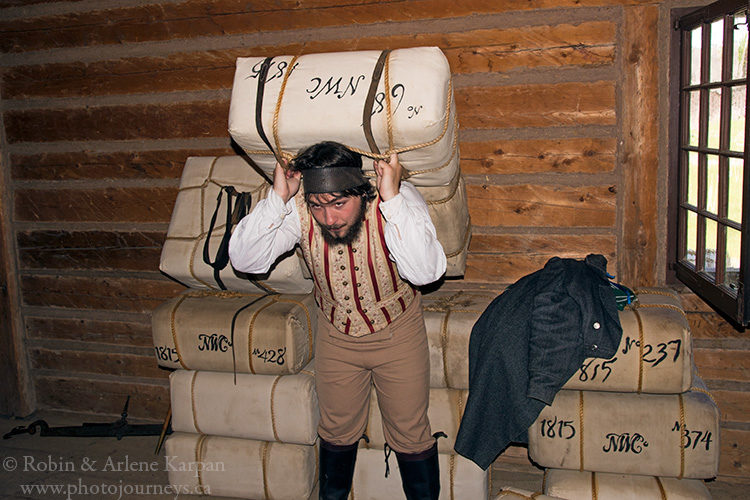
{"points": [[271, 229]]}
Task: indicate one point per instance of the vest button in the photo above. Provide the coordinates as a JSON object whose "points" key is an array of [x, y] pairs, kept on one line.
{"points": [[341, 252], [364, 310], [346, 297], [344, 283], [359, 284], [348, 311], [361, 298], [354, 250], [343, 268], [356, 268]]}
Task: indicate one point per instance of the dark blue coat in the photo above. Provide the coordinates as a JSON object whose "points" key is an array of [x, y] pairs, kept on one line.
{"points": [[528, 342]]}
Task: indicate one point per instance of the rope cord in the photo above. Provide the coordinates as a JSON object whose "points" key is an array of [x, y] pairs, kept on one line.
{"points": [[580, 420], [662, 491], [683, 426], [192, 403], [264, 467], [273, 413], [199, 459], [594, 487]]}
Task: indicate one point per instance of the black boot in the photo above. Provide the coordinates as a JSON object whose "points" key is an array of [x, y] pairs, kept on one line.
{"points": [[420, 474], [336, 470]]}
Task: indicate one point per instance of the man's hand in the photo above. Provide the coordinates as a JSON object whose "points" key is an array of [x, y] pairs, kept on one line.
{"points": [[389, 177], [286, 182]]}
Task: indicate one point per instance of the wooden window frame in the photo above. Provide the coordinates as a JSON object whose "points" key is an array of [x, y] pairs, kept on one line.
{"points": [[732, 304]]}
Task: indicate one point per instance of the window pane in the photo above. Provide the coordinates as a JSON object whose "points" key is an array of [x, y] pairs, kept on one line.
{"points": [[691, 236], [692, 194], [694, 117], [717, 40], [734, 211], [709, 265], [737, 125], [739, 52], [712, 184], [695, 56], [733, 259], [714, 117]]}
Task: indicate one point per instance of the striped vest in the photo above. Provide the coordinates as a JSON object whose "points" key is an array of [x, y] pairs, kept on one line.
{"points": [[357, 286]]}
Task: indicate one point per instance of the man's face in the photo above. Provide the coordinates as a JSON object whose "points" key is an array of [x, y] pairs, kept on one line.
{"points": [[340, 217]]}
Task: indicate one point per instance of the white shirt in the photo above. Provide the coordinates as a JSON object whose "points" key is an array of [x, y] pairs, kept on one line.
{"points": [[273, 228]]}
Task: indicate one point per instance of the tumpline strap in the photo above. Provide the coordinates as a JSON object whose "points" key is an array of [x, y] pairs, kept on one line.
{"points": [[235, 212], [262, 74], [370, 101]]}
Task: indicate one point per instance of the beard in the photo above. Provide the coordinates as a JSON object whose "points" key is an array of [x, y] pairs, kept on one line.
{"points": [[350, 235]]}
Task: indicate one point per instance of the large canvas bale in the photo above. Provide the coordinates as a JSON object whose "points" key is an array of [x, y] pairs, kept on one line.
{"points": [[240, 468], [674, 435], [182, 255], [449, 211], [584, 485], [280, 408], [445, 411], [459, 477], [663, 367], [449, 318], [655, 353], [323, 98], [273, 334]]}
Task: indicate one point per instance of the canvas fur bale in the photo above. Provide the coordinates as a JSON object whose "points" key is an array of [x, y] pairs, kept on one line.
{"points": [[197, 202], [240, 468], [673, 435], [459, 477], [273, 334], [655, 353], [281, 408], [449, 211], [316, 97], [584, 485], [449, 318]]}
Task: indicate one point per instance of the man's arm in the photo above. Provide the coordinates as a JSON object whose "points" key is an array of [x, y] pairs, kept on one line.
{"points": [[271, 229], [409, 231]]}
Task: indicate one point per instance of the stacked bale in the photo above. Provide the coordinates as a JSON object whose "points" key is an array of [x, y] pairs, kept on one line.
{"points": [[244, 408], [644, 412]]}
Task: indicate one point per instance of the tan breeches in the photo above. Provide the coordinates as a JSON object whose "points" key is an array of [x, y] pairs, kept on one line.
{"points": [[396, 361]]}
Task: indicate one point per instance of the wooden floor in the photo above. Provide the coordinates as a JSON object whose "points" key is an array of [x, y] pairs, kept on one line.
{"points": [[36, 467]]}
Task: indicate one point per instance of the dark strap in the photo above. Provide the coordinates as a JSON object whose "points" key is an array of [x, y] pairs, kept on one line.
{"points": [[234, 320], [370, 101], [235, 212], [262, 74]]}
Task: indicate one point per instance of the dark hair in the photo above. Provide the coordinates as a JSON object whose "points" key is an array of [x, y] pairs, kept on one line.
{"points": [[328, 154]]}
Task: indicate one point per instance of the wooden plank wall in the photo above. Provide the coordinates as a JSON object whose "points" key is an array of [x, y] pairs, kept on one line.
{"points": [[103, 102]]}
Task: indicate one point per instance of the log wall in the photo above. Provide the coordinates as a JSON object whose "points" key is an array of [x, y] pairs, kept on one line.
{"points": [[103, 102]]}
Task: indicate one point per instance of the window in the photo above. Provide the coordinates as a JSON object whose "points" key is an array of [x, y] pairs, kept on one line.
{"points": [[712, 214]]}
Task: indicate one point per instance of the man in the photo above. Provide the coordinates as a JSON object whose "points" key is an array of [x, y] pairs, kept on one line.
{"points": [[367, 249]]}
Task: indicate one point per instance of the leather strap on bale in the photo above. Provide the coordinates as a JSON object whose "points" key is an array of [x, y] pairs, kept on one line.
{"points": [[262, 75], [238, 205], [370, 101]]}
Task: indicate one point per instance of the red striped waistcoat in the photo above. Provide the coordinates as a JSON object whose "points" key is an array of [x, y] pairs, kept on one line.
{"points": [[357, 286]]}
